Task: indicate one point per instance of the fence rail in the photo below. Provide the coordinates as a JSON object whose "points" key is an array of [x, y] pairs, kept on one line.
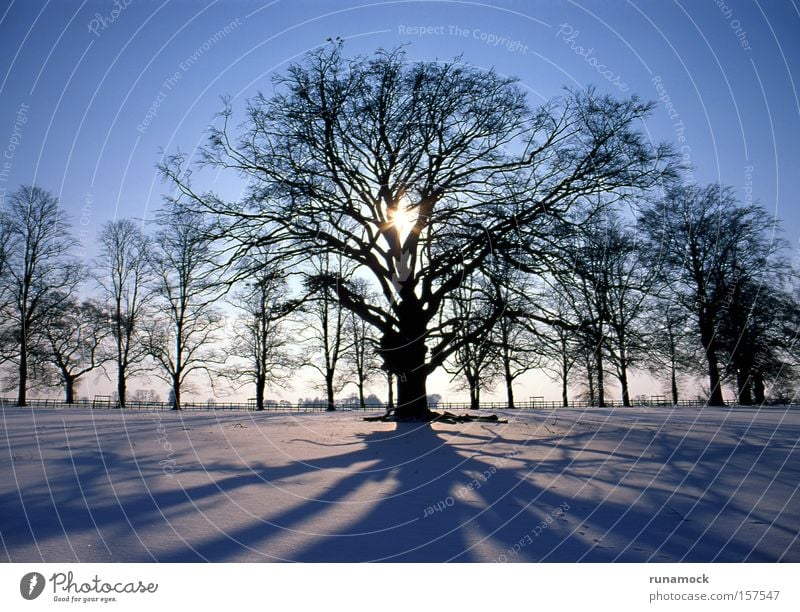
{"points": [[106, 403]]}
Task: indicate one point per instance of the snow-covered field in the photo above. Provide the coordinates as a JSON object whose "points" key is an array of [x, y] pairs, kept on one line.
{"points": [[688, 484]]}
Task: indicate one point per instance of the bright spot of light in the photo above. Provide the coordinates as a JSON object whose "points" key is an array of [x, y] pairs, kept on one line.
{"points": [[403, 218]]}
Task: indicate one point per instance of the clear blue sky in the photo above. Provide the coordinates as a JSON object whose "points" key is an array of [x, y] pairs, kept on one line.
{"points": [[77, 79]]}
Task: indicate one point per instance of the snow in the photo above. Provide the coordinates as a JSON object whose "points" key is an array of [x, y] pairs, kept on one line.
{"points": [[689, 484]]}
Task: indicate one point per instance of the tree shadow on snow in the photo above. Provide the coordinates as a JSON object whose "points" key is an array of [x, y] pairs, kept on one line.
{"points": [[417, 493]]}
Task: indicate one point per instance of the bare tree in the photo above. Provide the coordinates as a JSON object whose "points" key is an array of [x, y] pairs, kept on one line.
{"points": [[260, 339], [518, 347], [585, 286], [124, 273], [74, 336], [760, 330], [702, 240], [181, 335], [326, 319], [559, 342], [39, 276], [476, 360], [360, 355], [624, 282], [417, 173], [669, 341], [6, 303]]}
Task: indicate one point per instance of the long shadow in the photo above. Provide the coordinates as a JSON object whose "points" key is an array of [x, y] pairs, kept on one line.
{"points": [[416, 493]]}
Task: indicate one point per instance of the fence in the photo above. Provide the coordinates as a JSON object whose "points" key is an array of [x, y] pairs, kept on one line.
{"points": [[105, 402]]}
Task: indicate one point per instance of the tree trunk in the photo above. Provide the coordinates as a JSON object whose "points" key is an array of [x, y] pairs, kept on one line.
{"points": [[759, 393], [473, 393], [176, 394], [404, 355], [412, 397], [329, 391], [743, 394], [69, 383], [22, 395], [601, 385], [261, 383], [509, 387], [564, 375], [390, 380], [710, 349], [361, 400], [623, 382], [674, 384], [590, 378], [122, 386]]}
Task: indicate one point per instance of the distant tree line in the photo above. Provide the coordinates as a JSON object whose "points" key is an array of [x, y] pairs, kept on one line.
{"points": [[404, 217]]}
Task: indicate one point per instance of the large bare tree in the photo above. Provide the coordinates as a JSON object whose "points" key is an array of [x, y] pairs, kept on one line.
{"points": [[124, 273], [40, 276], [417, 172]]}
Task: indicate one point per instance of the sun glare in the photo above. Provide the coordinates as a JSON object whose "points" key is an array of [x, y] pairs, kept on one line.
{"points": [[403, 219]]}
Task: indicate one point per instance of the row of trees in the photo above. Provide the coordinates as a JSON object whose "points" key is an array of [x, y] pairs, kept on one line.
{"points": [[403, 217], [691, 285], [697, 285], [154, 304]]}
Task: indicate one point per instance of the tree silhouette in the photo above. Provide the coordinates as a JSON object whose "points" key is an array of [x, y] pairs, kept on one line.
{"points": [[260, 340], [123, 270], [325, 320], [180, 338], [417, 173], [39, 275], [73, 339], [705, 245]]}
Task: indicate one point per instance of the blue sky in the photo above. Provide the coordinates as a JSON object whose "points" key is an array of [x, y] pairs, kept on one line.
{"points": [[78, 80]]}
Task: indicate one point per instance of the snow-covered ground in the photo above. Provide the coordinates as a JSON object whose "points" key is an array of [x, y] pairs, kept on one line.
{"points": [[692, 484]]}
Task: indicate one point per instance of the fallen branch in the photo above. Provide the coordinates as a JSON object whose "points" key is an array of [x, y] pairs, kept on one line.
{"points": [[435, 417]]}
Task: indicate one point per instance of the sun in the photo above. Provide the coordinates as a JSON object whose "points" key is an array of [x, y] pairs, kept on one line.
{"points": [[403, 218]]}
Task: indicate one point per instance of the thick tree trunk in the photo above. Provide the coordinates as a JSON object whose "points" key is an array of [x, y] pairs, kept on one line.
{"points": [[412, 396], [390, 381], [714, 379], [759, 392], [404, 355], [674, 385], [474, 396], [362, 402], [743, 387], [69, 383], [22, 394], [564, 376], [176, 394]]}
